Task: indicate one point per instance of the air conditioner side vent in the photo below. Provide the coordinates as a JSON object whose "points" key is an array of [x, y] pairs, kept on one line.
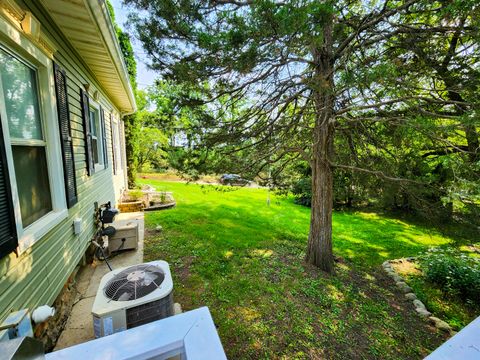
{"points": [[145, 313]]}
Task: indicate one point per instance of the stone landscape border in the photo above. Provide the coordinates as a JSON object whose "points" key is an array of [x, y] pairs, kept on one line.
{"points": [[420, 307]]}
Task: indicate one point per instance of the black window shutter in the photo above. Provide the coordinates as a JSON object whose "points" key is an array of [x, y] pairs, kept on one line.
{"points": [[104, 138], [114, 145], [65, 136], [87, 133], [8, 229]]}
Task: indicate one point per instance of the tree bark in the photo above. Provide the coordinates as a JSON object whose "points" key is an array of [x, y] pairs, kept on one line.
{"points": [[319, 251]]}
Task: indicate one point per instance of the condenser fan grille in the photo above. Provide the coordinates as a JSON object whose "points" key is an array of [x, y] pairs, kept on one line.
{"points": [[134, 282]]}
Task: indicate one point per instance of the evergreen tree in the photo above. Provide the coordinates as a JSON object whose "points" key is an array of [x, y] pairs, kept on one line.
{"points": [[309, 76]]}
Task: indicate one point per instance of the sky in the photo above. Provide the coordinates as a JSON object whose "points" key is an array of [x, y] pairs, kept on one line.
{"points": [[145, 77]]}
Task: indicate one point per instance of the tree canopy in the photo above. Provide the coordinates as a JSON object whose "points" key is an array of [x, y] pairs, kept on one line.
{"points": [[383, 88]]}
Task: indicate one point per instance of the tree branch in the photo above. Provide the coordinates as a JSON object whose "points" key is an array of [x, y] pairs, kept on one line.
{"points": [[377, 173]]}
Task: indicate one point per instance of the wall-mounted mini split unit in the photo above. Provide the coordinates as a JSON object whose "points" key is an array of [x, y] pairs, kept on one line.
{"points": [[132, 296]]}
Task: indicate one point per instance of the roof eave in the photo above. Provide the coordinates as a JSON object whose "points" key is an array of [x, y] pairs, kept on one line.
{"points": [[104, 23]]}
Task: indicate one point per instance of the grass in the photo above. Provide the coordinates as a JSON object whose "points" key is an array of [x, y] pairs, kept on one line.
{"points": [[243, 259]]}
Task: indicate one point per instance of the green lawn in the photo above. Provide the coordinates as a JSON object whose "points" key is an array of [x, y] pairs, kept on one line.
{"points": [[243, 259]]}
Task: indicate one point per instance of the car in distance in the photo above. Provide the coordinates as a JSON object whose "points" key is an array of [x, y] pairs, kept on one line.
{"points": [[233, 180]]}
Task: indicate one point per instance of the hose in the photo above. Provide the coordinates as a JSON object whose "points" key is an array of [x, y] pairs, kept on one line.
{"points": [[103, 257]]}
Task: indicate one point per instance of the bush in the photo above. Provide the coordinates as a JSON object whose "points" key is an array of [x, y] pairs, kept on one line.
{"points": [[302, 190], [135, 195], [455, 272], [346, 190]]}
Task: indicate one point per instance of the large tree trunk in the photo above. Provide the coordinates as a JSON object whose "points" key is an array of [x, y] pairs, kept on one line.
{"points": [[319, 251]]}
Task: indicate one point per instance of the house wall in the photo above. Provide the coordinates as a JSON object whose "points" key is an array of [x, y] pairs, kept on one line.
{"points": [[37, 276]]}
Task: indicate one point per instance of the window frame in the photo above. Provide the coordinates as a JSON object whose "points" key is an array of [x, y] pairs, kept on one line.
{"points": [[123, 155], [100, 165], [116, 145], [18, 45]]}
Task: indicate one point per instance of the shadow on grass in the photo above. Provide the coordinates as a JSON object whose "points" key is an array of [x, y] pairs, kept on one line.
{"points": [[362, 238], [244, 259]]}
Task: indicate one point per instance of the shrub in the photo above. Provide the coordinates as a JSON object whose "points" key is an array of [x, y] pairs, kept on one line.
{"points": [[302, 190], [455, 272], [135, 195]]}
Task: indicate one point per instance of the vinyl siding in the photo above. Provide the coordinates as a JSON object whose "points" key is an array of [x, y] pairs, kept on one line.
{"points": [[37, 276]]}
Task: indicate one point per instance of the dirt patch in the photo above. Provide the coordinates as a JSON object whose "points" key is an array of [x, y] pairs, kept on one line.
{"points": [[406, 268], [183, 271]]}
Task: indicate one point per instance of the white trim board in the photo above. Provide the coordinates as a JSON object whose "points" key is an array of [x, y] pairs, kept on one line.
{"points": [[192, 335], [465, 345]]}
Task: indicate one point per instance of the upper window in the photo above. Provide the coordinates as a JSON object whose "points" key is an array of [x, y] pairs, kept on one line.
{"points": [[96, 131], [28, 146]]}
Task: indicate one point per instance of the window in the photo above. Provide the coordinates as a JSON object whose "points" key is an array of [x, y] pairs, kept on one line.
{"points": [[93, 118], [20, 94], [32, 147], [96, 131]]}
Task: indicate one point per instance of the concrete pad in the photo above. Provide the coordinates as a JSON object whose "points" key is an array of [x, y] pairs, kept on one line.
{"points": [[81, 318], [79, 327], [100, 270], [83, 277]]}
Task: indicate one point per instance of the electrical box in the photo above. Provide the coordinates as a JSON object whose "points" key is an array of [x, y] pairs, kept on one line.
{"points": [[77, 226]]}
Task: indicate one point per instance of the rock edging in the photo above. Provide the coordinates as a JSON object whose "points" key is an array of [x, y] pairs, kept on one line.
{"points": [[420, 307]]}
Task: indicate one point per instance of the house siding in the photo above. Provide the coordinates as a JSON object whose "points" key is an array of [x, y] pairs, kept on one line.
{"points": [[37, 276]]}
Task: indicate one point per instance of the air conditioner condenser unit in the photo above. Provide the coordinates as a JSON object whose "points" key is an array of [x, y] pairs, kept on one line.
{"points": [[126, 237], [132, 296]]}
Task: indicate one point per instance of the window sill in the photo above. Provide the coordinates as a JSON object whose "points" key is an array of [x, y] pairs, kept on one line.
{"points": [[38, 229], [99, 167]]}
